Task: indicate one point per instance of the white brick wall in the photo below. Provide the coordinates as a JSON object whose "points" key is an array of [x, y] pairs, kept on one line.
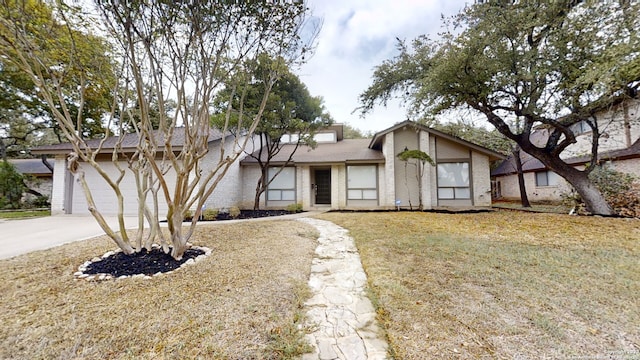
{"points": [[58, 186], [481, 179]]}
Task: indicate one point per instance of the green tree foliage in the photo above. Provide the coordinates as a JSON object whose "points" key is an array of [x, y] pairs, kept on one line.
{"points": [[289, 110], [11, 186], [350, 132], [547, 64], [25, 117]]}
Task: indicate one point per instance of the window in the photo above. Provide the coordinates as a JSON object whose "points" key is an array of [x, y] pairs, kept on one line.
{"points": [[283, 186], [453, 181], [546, 178], [580, 128], [362, 182]]}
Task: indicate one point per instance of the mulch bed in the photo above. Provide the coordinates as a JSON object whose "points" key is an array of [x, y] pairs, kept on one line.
{"points": [[156, 261], [144, 262], [250, 214]]}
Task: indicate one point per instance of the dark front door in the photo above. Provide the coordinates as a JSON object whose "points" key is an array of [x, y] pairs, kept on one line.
{"points": [[323, 187]]}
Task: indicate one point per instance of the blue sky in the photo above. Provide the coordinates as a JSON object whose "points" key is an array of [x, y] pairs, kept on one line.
{"points": [[356, 36]]}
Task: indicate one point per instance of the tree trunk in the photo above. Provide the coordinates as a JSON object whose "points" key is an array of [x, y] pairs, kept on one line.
{"points": [[590, 194], [524, 199], [260, 188]]}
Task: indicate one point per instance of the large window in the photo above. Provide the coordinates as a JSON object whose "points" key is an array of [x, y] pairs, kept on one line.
{"points": [[453, 181], [546, 178], [362, 182], [283, 186]]}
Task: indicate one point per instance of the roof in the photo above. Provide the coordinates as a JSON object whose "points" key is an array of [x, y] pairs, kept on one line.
{"points": [[129, 142], [529, 163], [31, 167], [345, 151], [376, 142]]}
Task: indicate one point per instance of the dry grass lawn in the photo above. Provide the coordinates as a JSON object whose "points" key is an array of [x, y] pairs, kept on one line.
{"points": [[243, 302], [502, 285]]}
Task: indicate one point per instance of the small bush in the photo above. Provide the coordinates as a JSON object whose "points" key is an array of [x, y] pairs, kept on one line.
{"points": [[187, 215], [209, 214], [234, 212], [294, 208]]}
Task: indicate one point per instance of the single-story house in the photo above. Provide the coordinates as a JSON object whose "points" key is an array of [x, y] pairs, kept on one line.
{"points": [[40, 177], [337, 174], [619, 149], [367, 173], [67, 196]]}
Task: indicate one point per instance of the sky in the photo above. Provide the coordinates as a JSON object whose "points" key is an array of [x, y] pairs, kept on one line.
{"points": [[358, 35]]}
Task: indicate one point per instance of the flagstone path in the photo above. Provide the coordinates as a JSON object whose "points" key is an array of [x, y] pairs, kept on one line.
{"points": [[344, 318]]}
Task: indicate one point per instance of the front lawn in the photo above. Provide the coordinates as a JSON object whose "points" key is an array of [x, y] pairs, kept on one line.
{"points": [[23, 214], [242, 302], [502, 285]]}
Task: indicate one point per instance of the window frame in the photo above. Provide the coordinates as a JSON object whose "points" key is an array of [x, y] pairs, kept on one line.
{"points": [[457, 192], [547, 178], [360, 189], [271, 190]]}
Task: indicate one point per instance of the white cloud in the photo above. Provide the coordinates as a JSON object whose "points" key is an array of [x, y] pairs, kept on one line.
{"points": [[358, 35]]}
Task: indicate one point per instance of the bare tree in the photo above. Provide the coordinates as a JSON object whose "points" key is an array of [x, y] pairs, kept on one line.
{"points": [[164, 50]]}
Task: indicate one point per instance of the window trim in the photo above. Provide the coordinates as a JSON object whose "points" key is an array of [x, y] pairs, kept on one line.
{"points": [[455, 189], [283, 190], [546, 177], [363, 190]]}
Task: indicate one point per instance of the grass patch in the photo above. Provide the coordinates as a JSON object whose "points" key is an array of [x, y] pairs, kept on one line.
{"points": [[23, 214], [545, 207], [502, 284], [226, 307]]}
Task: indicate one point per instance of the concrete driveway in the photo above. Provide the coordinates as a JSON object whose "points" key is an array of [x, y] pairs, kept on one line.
{"points": [[23, 236]]}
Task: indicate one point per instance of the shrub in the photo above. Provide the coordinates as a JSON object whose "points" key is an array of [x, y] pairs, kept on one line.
{"points": [[621, 190], [187, 215], [11, 185], [234, 212], [209, 214], [294, 208]]}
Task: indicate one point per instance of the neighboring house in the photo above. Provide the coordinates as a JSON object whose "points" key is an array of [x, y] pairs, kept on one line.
{"points": [[367, 174], [39, 177], [337, 174], [619, 149]]}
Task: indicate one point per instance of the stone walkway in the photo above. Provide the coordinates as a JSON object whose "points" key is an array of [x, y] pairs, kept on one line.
{"points": [[344, 319]]}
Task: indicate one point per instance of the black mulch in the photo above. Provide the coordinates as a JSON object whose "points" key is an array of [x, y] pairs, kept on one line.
{"points": [[251, 214], [144, 262]]}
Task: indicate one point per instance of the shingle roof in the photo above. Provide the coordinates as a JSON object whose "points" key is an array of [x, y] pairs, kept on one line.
{"points": [[31, 167], [529, 163], [376, 142], [345, 151], [129, 142]]}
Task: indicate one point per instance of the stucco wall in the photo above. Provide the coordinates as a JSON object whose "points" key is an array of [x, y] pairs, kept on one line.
{"points": [[406, 183], [448, 151]]}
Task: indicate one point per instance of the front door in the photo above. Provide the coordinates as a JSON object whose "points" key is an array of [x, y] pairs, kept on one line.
{"points": [[323, 187]]}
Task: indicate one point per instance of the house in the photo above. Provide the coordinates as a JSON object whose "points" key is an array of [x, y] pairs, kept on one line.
{"points": [[39, 176], [619, 149], [337, 174], [67, 196], [367, 173]]}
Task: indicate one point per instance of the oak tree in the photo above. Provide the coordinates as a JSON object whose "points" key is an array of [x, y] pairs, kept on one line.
{"points": [[549, 64]]}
